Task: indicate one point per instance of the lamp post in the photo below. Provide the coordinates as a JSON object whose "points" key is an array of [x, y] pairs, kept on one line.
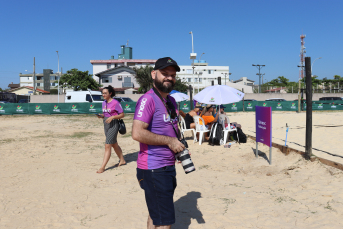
{"points": [[199, 70], [199, 73], [313, 63], [193, 56], [259, 73], [225, 74], [58, 78]]}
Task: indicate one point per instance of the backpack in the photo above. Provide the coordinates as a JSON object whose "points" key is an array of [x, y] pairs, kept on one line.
{"points": [[242, 138], [216, 135]]}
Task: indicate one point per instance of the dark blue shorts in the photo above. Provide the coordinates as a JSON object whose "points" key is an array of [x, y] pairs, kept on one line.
{"points": [[159, 186]]}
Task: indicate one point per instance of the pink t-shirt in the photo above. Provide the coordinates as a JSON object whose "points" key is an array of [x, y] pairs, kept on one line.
{"points": [[112, 108], [152, 111]]}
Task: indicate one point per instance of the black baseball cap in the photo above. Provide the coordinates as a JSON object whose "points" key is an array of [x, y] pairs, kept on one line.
{"points": [[165, 62]]}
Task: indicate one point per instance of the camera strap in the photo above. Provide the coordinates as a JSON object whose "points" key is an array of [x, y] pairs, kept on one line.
{"points": [[165, 105]]}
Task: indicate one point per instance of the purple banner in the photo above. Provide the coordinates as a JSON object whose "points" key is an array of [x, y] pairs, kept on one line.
{"points": [[264, 125]]}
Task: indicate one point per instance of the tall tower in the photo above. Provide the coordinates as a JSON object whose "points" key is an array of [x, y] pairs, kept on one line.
{"points": [[302, 57]]}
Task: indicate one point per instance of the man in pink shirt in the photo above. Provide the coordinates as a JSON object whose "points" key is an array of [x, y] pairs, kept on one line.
{"points": [[152, 127]]}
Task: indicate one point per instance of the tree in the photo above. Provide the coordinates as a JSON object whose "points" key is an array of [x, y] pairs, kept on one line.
{"points": [[283, 80], [53, 91], [180, 85], [78, 80], [1, 89], [143, 78], [316, 81], [279, 81], [274, 82], [337, 77]]}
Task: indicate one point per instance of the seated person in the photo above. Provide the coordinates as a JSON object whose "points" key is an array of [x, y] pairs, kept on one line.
{"points": [[221, 111], [233, 124], [206, 114], [189, 121], [182, 114]]}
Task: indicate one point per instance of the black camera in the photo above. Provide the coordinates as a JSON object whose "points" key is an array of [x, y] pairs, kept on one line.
{"points": [[183, 141]]}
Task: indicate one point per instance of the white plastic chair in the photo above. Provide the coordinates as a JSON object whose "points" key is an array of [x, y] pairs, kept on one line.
{"points": [[200, 128], [184, 129], [222, 119]]}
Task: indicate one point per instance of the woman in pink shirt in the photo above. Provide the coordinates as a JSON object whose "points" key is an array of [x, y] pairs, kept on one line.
{"points": [[112, 111]]}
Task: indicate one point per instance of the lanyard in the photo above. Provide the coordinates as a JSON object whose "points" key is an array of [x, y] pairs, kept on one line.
{"points": [[171, 122]]}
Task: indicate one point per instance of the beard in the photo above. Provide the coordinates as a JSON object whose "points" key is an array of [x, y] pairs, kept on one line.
{"points": [[164, 88]]}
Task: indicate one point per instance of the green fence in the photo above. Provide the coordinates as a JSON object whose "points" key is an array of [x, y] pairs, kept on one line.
{"points": [[283, 105], [129, 107]]}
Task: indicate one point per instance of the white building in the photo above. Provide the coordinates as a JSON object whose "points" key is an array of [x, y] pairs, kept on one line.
{"points": [[203, 75], [245, 81], [45, 81]]}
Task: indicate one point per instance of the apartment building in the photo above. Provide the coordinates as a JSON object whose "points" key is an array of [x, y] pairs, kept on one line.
{"points": [[44, 81], [203, 74]]}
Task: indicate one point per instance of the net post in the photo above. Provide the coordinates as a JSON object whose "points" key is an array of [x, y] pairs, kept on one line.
{"points": [[256, 152]]}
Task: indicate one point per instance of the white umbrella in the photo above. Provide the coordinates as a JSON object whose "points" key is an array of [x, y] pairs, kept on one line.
{"points": [[178, 96], [219, 94]]}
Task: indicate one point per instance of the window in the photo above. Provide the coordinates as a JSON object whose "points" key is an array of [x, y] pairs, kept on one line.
{"points": [[120, 78], [195, 80], [88, 98], [95, 98], [107, 79], [118, 99], [127, 100], [38, 84], [189, 71], [210, 71], [200, 80], [53, 84], [98, 98], [108, 66], [189, 80]]}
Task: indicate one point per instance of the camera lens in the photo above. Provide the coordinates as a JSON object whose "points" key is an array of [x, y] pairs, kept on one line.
{"points": [[186, 161]]}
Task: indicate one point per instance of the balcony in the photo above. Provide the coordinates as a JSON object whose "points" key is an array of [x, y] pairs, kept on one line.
{"points": [[127, 84]]}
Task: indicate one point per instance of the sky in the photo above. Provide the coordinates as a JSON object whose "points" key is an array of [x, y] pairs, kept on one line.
{"points": [[230, 33]]}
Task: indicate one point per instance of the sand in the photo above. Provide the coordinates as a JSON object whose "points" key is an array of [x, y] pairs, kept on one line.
{"points": [[48, 178]]}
